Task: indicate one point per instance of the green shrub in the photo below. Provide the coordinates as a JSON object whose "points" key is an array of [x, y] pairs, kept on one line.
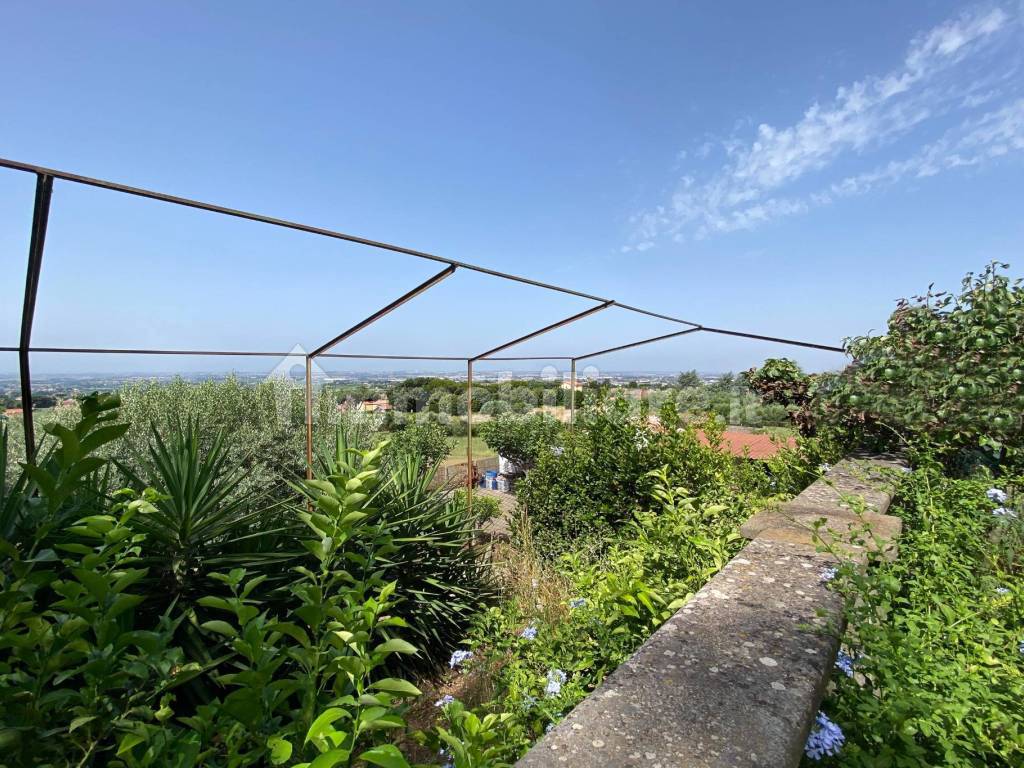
{"points": [[426, 440], [936, 638], [522, 439], [950, 369]]}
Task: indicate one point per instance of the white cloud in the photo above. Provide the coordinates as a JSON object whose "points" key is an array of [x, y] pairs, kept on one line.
{"points": [[936, 80]]}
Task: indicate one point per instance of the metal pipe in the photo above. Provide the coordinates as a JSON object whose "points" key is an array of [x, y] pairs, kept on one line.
{"points": [[309, 417], [654, 314], [96, 351], [637, 343], [572, 394], [40, 218], [469, 437], [424, 286], [545, 329], [239, 214], [775, 339]]}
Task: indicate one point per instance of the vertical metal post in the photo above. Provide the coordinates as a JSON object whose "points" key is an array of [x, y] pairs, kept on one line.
{"points": [[572, 393], [309, 417], [40, 217], [469, 436]]}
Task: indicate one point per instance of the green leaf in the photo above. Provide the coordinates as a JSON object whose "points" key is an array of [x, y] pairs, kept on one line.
{"points": [[395, 685], [385, 755], [78, 722], [395, 645], [220, 627], [280, 750], [324, 722]]}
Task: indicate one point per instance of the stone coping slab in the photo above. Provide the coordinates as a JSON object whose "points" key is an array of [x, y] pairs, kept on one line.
{"points": [[735, 677]]}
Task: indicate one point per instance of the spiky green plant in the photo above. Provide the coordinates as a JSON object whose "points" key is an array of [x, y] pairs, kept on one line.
{"points": [[430, 549], [200, 523]]}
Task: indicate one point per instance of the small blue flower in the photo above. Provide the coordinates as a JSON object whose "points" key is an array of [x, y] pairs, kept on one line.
{"points": [[1003, 512], [825, 468], [555, 679], [844, 661], [997, 495], [459, 658], [826, 738], [1002, 590], [530, 633], [549, 727], [529, 702], [444, 701], [1020, 646], [578, 602], [827, 574]]}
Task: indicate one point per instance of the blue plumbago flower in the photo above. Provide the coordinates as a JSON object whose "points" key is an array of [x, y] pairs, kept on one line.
{"points": [[826, 738], [529, 702], [530, 633], [825, 468], [549, 727], [1020, 646], [827, 574], [444, 701], [459, 658], [1002, 590], [555, 679], [443, 754], [577, 602], [1003, 512], [997, 495], [844, 661]]}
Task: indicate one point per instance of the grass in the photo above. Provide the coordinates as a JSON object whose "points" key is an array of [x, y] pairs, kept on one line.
{"points": [[480, 449]]}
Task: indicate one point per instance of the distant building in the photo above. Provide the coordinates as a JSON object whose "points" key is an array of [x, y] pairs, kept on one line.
{"points": [[13, 412], [567, 384], [750, 446], [375, 406]]}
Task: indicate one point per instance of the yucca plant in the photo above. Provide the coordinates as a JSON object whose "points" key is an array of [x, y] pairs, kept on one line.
{"points": [[202, 523], [438, 567], [421, 537]]}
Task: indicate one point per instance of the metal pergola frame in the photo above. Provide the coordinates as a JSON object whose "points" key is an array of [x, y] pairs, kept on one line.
{"points": [[45, 178]]}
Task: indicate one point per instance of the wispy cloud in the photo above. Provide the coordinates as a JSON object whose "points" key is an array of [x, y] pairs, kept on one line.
{"points": [[946, 75]]}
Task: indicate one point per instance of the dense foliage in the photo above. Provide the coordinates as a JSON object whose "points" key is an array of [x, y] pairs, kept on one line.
{"points": [[935, 652], [522, 439], [90, 674], [578, 496]]}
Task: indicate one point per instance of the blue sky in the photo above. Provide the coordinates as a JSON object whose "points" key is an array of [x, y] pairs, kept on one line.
{"points": [[782, 168]]}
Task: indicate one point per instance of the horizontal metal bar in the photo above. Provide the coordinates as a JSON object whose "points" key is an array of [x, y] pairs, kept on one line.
{"points": [[545, 329], [239, 214], [393, 357], [538, 357], [424, 286], [638, 343], [775, 339], [200, 352]]}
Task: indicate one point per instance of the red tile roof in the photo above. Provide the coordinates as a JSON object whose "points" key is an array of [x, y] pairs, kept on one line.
{"points": [[744, 444]]}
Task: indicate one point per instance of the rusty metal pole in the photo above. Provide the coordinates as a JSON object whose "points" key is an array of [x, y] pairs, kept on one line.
{"points": [[572, 393], [469, 436], [40, 217], [309, 417]]}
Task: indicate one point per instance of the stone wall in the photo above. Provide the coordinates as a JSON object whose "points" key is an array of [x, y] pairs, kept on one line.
{"points": [[736, 676]]}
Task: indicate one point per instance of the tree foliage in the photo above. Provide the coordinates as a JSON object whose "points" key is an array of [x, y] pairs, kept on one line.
{"points": [[950, 369]]}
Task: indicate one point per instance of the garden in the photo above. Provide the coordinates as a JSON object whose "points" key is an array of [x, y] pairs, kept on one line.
{"points": [[176, 593]]}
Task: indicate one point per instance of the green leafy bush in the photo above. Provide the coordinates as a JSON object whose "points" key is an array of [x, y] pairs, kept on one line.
{"points": [[950, 369], [936, 638], [522, 439]]}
